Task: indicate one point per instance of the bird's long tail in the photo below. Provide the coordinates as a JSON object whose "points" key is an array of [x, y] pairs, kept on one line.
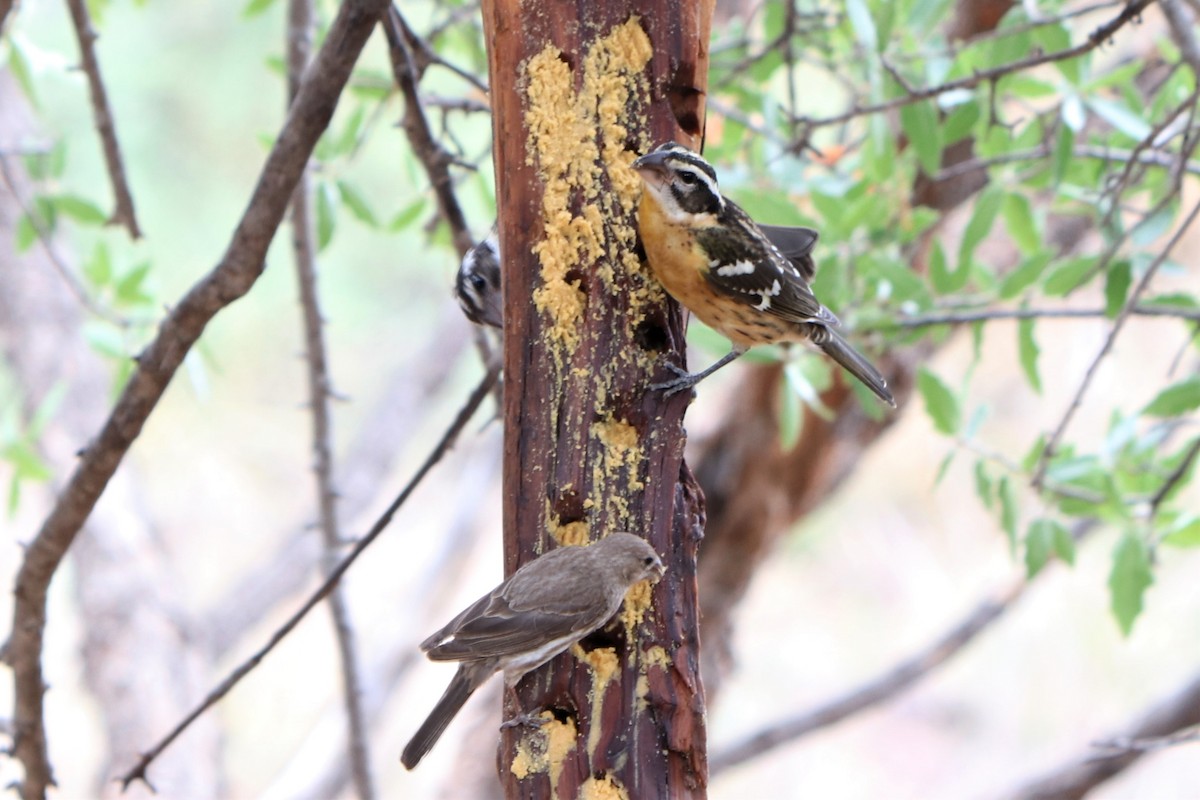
{"points": [[856, 364], [461, 687]]}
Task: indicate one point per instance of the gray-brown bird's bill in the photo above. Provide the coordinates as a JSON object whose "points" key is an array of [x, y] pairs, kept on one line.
{"points": [[538, 612]]}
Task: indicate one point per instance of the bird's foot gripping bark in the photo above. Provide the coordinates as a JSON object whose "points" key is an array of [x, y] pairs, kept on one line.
{"points": [[682, 380], [529, 720]]}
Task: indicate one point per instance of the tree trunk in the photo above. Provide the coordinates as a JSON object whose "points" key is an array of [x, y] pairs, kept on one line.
{"points": [[578, 91]]}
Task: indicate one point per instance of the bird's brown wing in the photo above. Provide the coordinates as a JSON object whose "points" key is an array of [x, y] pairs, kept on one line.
{"points": [[795, 243], [745, 266]]}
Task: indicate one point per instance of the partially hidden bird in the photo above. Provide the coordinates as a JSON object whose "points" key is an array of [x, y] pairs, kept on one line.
{"points": [[538, 612]]}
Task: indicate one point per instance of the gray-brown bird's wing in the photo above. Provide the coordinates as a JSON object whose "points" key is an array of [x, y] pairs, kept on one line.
{"points": [[555, 596], [748, 268], [506, 632]]}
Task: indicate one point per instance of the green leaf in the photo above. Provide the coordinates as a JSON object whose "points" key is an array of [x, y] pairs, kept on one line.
{"points": [[1035, 453], [1008, 512], [1120, 117], [18, 65], [1176, 399], [941, 404], [862, 24], [326, 214], [920, 124], [1154, 226], [1129, 579], [1038, 544], [1064, 152], [790, 414], [1028, 350], [25, 461], [1063, 543], [1022, 227], [26, 233], [986, 208], [944, 467], [129, 287], [1068, 275], [357, 204], [1116, 287], [1025, 275], [407, 215], [256, 7], [1183, 531], [99, 269], [79, 209], [960, 122], [983, 484], [943, 279]]}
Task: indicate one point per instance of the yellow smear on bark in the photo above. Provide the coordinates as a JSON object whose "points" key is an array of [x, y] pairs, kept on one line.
{"points": [[574, 139], [543, 750], [573, 533], [604, 666], [619, 448], [602, 788], [637, 602]]}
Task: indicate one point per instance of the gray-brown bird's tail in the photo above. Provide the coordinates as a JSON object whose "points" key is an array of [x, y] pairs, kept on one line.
{"points": [[461, 687], [855, 363]]}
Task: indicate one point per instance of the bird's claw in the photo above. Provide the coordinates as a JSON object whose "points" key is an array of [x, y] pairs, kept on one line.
{"points": [[525, 720], [683, 380]]}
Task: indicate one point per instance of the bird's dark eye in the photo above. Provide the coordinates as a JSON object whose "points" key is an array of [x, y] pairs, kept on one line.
{"points": [[648, 560], [478, 281], [689, 178]]}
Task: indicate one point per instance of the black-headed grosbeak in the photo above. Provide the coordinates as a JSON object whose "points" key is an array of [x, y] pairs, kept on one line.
{"points": [[477, 285], [711, 257]]}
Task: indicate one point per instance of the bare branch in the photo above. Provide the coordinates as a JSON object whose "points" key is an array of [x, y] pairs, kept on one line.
{"points": [[233, 276], [1102, 34], [1152, 158], [123, 214], [1182, 32], [435, 159], [1124, 744], [1075, 779], [301, 28], [1175, 477], [873, 692], [1123, 315], [988, 314], [138, 771]]}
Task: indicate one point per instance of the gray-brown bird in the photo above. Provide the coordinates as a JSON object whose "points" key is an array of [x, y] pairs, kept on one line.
{"points": [[536, 613]]}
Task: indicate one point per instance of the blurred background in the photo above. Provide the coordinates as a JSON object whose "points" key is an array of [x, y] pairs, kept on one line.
{"points": [[206, 540]]}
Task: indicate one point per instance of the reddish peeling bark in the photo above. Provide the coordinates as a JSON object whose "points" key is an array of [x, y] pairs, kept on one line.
{"points": [[588, 447]]}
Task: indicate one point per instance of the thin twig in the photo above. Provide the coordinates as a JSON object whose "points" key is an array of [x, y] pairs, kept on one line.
{"points": [[1079, 776], [301, 28], [1102, 34], [1174, 478], [138, 771], [1153, 158], [1182, 32], [233, 276], [1122, 745], [123, 214], [988, 314], [1124, 314], [874, 691], [74, 286], [432, 155]]}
